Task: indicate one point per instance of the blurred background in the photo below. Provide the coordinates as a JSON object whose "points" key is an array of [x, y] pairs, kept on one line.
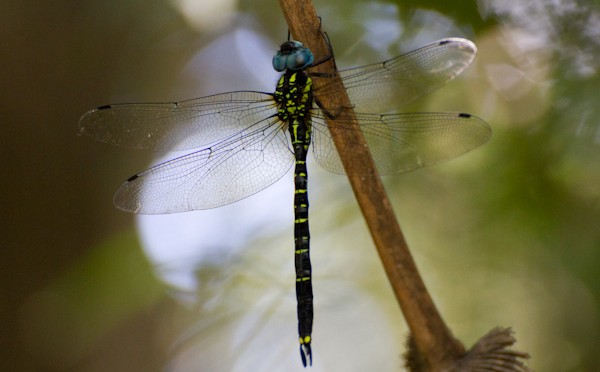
{"points": [[506, 235]]}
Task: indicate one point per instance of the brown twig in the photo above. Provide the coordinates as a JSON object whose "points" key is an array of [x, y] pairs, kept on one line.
{"points": [[432, 344], [431, 336]]}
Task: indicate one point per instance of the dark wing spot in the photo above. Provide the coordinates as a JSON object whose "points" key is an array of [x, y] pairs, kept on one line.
{"points": [[132, 178], [463, 115]]}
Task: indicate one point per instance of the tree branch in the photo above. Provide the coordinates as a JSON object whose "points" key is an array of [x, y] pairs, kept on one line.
{"points": [[432, 343], [431, 336]]}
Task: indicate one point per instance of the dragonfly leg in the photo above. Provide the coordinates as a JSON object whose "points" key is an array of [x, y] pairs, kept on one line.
{"points": [[327, 112], [329, 56]]}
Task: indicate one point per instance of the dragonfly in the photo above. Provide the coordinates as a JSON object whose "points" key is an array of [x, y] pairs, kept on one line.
{"points": [[241, 142]]}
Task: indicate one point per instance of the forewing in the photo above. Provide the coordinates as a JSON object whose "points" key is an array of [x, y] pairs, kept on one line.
{"points": [[176, 125], [403, 142], [230, 170], [390, 85]]}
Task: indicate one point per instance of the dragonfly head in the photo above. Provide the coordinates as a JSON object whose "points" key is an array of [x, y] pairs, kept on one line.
{"points": [[292, 55]]}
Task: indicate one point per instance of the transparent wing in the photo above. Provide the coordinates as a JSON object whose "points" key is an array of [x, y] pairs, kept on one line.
{"points": [[176, 125], [230, 170], [403, 142], [387, 86]]}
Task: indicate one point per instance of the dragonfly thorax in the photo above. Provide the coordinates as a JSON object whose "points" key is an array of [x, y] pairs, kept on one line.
{"points": [[293, 95]]}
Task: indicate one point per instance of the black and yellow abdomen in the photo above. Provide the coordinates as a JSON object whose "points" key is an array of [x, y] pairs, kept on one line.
{"points": [[294, 98]]}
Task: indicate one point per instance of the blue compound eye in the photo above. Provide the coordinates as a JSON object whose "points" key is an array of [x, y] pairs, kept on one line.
{"points": [[292, 55], [279, 62], [301, 59]]}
